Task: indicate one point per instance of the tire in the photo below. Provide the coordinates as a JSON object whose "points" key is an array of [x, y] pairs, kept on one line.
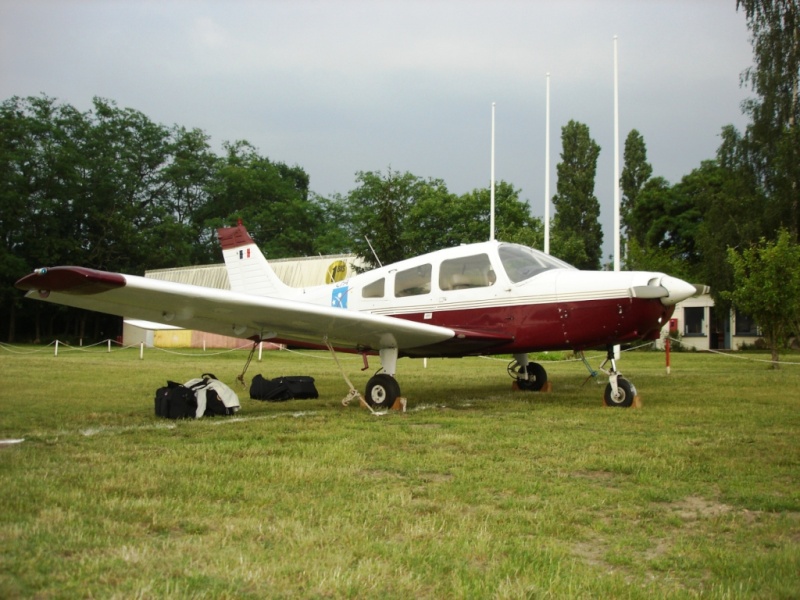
{"points": [[625, 394], [382, 391], [539, 375]]}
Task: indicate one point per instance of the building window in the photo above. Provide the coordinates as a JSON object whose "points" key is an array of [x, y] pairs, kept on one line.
{"points": [[745, 325], [694, 320]]}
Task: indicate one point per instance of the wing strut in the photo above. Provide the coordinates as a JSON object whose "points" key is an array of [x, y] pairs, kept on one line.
{"points": [[353, 393]]}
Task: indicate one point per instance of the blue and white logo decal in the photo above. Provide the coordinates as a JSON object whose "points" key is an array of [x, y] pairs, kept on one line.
{"points": [[339, 297]]}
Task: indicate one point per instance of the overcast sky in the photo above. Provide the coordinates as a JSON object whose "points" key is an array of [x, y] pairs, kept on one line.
{"points": [[341, 86]]}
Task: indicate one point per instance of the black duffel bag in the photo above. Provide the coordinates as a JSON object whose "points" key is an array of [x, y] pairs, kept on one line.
{"points": [[175, 401], [283, 388]]}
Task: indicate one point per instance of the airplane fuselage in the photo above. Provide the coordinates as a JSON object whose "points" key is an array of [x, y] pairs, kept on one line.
{"points": [[504, 299]]}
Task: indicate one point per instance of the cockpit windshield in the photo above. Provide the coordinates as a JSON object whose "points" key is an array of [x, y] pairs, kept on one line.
{"points": [[521, 262]]}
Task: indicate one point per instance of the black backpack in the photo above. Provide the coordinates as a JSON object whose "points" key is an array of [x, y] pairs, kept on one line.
{"points": [[175, 401]]}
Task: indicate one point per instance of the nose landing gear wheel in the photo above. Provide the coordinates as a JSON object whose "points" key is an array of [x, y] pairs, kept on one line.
{"points": [[382, 391], [537, 376], [624, 396]]}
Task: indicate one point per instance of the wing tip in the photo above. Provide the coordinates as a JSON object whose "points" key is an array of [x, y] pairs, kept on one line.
{"points": [[69, 280]]}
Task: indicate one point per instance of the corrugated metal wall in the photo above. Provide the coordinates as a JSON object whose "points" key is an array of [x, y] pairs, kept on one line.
{"points": [[296, 272]]}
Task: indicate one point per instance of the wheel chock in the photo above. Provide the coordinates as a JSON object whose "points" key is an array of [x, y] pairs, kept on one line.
{"points": [[637, 402], [547, 387], [399, 404]]}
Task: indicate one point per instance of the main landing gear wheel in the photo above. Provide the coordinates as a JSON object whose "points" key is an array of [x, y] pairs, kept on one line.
{"points": [[536, 376], [382, 391], [624, 396]]}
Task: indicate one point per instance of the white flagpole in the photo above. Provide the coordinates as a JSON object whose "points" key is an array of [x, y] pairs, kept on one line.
{"points": [[547, 170], [491, 188], [616, 172], [616, 160]]}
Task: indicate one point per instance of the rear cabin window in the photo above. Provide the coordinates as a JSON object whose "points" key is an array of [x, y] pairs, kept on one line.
{"points": [[374, 289], [413, 282], [466, 272]]}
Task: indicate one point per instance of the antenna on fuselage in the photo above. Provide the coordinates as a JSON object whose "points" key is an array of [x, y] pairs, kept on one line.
{"points": [[375, 254]]}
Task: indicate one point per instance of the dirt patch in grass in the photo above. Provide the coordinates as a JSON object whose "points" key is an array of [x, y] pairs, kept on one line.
{"points": [[694, 508]]}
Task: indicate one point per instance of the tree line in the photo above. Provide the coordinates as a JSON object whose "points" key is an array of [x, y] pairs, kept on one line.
{"points": [[111, 189]]}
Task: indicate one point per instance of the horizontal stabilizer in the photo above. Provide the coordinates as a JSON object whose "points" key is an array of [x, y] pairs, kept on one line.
{"points": [[150, 325]]}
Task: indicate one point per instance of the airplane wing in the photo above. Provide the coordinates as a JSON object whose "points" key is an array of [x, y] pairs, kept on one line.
{"points": [[225, 312]]}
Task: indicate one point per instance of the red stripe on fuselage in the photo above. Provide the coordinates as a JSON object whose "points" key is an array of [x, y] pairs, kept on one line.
{"points": [[554, 326]]}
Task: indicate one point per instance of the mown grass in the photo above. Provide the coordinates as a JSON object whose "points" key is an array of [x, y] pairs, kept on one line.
{"points": [[475, 492]]}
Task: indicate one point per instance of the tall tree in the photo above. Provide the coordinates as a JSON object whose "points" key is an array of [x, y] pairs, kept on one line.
{"points": [[40, 156], [772, 139], [121, 189], [378, 207], [334, 231], [732, 215], [440, 219], [577, 235], [636, 172], [271, 198], [660, 236]]}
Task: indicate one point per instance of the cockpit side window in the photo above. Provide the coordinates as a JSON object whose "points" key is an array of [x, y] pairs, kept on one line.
{"points": [[466, 272], [374, 289], [413, 282], [522, 263]]}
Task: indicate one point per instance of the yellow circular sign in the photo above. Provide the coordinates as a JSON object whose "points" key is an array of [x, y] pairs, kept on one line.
{"points": [[337, 271]]}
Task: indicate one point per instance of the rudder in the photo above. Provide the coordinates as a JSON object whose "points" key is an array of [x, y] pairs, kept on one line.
{"points": [[248, 269]]}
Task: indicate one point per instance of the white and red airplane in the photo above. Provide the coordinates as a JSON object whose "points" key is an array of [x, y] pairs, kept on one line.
{"points": [[477, 299]]}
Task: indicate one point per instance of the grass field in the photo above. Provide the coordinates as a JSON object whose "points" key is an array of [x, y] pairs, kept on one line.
{"points": [[475, 492]]}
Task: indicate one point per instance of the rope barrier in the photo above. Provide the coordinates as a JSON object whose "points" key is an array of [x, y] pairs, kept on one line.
{"points": [[92, 348], [66, 346], [13, 350]]}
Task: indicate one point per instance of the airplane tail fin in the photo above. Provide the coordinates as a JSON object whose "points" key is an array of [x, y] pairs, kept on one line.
{"points": [[248, 269]]}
